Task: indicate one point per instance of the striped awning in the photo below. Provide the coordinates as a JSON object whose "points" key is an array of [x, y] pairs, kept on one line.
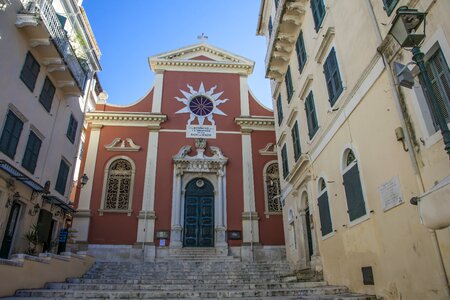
{"points": [[18, 175], [53, 200]]}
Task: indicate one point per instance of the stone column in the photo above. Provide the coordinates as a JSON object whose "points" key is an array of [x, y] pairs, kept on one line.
{"points": [[220, 227], [82, 217], [250, 217], [146, 222], [176, 228]]}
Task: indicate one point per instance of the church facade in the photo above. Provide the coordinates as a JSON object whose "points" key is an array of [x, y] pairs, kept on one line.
{"points": [[191, 164]]}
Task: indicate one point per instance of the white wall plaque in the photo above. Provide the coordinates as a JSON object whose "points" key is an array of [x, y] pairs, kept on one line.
{"points": [[390, 193], [201, 131]]}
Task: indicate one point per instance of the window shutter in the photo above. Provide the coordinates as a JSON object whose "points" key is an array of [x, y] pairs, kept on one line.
{"points": [[438, 72], [31, 152], [62, 178], [328, 78], [30, 71], [354, 194], [44, 225], [301, 51], [296, 141], [47, 93], [279, 110], [311, 115], [285, 161], [11, 134], [324, 213], [72, 129]]}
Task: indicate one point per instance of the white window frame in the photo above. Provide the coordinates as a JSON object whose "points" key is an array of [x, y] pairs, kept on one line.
{"points": [[102, 209]]}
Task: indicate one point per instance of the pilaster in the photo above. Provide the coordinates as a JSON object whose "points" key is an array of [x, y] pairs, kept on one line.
{"points": [[82, 217], [157, 92]]}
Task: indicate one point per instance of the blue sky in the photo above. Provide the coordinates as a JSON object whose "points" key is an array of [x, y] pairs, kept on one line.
{"points": [[129, 32]]}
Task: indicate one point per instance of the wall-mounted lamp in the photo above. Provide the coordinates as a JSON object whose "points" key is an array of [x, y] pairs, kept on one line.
{"points": [[15, 197], [83, 180], [8, 203], [35, 210], [58, 213]]}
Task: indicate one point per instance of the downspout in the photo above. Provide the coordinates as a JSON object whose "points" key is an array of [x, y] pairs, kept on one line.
{"points": [[412, 153]]}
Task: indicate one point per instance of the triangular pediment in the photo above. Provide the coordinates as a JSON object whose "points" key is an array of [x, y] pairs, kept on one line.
{"points": [[201, 55]]}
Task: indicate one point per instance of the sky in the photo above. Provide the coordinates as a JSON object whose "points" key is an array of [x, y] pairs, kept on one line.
{"points": [[128, 32]]}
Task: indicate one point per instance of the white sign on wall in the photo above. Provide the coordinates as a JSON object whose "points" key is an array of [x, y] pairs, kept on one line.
{"points": [[201, 131], [390, 193], [201, 105]]}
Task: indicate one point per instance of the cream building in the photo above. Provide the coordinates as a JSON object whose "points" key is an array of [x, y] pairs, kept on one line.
{"points": [[49, 58], [355, 147]]}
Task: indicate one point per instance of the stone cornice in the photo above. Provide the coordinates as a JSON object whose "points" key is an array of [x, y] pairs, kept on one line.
{"points": [[125, 119], [256, 123], [182, 64]]}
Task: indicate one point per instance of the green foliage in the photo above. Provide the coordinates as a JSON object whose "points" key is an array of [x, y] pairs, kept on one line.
{"points": [[32, 238]]}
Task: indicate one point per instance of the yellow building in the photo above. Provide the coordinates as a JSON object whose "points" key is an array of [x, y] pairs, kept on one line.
{"points": [[355, 146]]}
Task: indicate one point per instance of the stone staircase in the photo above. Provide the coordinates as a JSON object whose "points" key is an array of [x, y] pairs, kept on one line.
{"points": [[194, 274]]}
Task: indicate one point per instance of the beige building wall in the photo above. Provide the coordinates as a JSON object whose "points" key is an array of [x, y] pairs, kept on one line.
{"points": [[407, 260]]}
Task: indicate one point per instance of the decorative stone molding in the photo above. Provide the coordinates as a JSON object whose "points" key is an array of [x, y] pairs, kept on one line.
{"points": [[119, 144], [220, 60], [281, 138], [149, 215], [250, 216], [305, 86], [269, 149], [300, 172], [291, 118], [199, 163], [286, 27], [256, 123], [125, 119], [328, 37]]}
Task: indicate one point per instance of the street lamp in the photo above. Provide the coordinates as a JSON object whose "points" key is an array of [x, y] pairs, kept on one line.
{"points": [[408, 29], [83, 180]]}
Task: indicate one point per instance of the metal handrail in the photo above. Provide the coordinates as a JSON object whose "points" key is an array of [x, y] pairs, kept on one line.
{"points": [[47, 13]]}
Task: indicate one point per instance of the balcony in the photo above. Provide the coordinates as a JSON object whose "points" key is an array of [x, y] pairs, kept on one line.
{"points": [[286, 28], [40, 23]]}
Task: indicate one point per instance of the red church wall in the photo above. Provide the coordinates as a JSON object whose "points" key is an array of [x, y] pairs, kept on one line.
{"points": [[174, 81], [271, 228], [142, 105], [256, 109], [117, 228]]}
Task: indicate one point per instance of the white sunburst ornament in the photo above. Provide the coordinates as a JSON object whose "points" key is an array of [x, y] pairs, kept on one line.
{"points": [[201, 104]]}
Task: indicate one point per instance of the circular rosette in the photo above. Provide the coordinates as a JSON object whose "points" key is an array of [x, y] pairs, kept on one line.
{"points": [[201, 106]]}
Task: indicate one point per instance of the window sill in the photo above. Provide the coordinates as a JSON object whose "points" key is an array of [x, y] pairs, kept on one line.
{"points": [[115, 211], [327, 236], [359, 220]]}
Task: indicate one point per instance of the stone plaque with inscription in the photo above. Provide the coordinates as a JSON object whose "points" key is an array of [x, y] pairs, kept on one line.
{"points": [[390, 193]]}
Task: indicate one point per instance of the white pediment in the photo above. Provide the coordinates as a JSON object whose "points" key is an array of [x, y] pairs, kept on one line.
{"points": [[201, 56]]}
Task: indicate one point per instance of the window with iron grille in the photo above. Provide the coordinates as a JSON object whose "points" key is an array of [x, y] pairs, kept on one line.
{"points": [[284, 160], [296, 141], [288, 82], [273, 190], [301, 52], [279, 110], [31, 154], [332, 77], [11, 134], [61, 181], [311, 117], [389, 6], [47, 93], [118, 185], [30, 71], [72, 129], [318, 11]]}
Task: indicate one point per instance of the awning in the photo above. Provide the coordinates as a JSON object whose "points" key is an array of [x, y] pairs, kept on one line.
{"points": [[18, 175], [53, 200]]}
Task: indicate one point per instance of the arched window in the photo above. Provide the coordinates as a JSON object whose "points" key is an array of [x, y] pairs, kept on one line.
{"points": [[119, 185], [272, 188], [326, 226], [352, 184]]}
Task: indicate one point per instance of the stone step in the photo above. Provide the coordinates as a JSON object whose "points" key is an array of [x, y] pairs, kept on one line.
{"points": [[199, 294], [182, 287], [173, 281]]}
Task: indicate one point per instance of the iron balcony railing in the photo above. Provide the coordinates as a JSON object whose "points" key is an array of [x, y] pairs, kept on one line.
{"points": [[45, 10]]}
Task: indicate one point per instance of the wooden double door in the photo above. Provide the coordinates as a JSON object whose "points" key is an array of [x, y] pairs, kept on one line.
{"points": [[199, 214]]}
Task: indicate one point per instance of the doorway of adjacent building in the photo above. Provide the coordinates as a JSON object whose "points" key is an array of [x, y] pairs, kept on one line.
{"points": [[10, 230], [199, 214], [308, 232]]}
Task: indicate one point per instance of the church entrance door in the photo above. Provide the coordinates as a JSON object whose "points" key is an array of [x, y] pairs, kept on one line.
{"points": [[199, 214]]}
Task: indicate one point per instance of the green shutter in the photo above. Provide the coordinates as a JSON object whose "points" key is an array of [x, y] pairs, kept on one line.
{"points": [[61, 181], [353, 192], [47, 93], [318, 11], [311, 116], [301, 52], [31, 154], [332, 77], [324, 214], [11, 134], [288, 82], [296, 141], [72, 129], [279, 110], [439, 74], [389, 6], [284, 160], [30, 71]]}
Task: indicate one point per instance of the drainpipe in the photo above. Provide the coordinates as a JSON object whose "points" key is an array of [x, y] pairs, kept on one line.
{"points": [[412, 153]]}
